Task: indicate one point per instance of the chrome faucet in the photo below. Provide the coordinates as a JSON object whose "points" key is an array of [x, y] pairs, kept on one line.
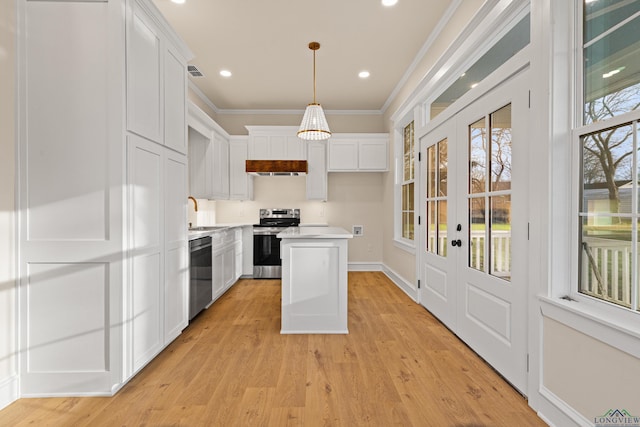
{"points": [[195, 202]]}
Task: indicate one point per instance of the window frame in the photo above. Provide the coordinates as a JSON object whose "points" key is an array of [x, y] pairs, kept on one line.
{"points": [[597, 308], [399, 241]]}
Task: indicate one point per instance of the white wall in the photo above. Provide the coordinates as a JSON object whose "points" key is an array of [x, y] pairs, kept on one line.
{"points": [[353, 199], [588, 375], [399, 260], [8, 380]]}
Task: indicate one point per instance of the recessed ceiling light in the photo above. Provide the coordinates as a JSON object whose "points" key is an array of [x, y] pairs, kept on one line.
{"points": [[389, 2], [178, 1], [474, 85], [225, 73], [364, 74]]}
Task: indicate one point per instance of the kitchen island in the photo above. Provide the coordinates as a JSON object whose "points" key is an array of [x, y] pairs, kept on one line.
{"points": [[314, 280]]}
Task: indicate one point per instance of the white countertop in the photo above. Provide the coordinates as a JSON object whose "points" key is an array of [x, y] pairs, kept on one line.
{"points": [[207, 230], [315, 233]]}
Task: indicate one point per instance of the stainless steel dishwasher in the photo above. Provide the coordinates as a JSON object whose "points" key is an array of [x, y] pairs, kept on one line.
{"points": [[200, 282]]}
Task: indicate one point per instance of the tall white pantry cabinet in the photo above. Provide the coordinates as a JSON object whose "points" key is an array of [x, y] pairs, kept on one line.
{"points": [[103, 251]]}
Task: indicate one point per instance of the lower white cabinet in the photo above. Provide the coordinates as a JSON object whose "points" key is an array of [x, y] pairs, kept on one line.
{"points": [[227, 259], [158, 287]]}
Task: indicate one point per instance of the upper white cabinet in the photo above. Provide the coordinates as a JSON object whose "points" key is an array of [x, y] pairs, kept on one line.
{"points": [[317, 170], [208, 156], [358, 153], [240, 183], [220, 173], [175, 104], [144, 89], [156, 82], [275, 143]]}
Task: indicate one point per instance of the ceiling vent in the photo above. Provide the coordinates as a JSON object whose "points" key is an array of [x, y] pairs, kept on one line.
{"points": [[194, 71]]}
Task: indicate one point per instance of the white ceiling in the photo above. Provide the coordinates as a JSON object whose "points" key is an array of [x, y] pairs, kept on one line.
{"points": [[265, 45]]}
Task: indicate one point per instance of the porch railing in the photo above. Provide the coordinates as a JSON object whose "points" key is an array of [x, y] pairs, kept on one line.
{"points": [[606, 269]]}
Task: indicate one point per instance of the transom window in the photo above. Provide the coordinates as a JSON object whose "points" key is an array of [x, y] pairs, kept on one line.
{"points": [[609, 208]]}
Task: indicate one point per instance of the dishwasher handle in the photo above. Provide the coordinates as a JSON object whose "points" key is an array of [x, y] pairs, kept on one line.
{"points": [[199, 244]]}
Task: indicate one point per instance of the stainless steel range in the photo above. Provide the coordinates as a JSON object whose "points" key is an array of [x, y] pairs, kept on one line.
{"points": [[266, 246]]}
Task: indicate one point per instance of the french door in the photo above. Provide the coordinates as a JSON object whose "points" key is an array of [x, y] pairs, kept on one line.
{"points": [[473, 258]]}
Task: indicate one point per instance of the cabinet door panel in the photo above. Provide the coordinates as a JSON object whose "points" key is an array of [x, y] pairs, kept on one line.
{"points": [[176, 260], [372, 155], [145, 163], [144, 109], [175, 102], [218, 273], [317, 175], [343, 155]]}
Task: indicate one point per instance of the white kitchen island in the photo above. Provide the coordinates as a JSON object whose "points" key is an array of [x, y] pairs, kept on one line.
{"points": [[314, 280]]}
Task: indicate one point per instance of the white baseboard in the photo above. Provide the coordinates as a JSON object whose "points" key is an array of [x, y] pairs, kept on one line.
{"points": [[557, 413], [365, 266], [8, 391], [407, 287], [399, 281]]}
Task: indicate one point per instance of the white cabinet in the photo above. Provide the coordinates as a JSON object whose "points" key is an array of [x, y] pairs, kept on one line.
{"points": [[358, 153], [275, 143], [317, 171], [175, 104], [208, 147], [240, 183], [144, 107], [176, 251], [159, 301], [102, 199], [156, 82], [247, 250], [200, 165], [227, 257], [220, 172], [145, 164]]}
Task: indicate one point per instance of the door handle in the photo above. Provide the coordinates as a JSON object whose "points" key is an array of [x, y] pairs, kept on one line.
{"points": [[456, 243]]}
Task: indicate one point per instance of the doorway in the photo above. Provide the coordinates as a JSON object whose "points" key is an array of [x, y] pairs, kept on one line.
{"points": [[474, 226]]}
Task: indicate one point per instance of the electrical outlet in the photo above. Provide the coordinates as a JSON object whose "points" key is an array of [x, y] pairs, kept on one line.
{"points": [[358, 230]]}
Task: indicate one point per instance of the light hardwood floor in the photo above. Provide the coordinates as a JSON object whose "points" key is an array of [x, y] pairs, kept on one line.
{"points": [[398, 366]]}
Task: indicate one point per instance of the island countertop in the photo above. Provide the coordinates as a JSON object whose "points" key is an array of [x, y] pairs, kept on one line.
{"points": [[314, 233]]}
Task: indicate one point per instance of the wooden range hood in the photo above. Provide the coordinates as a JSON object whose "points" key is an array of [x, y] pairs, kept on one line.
{"points": [[276, 167]]}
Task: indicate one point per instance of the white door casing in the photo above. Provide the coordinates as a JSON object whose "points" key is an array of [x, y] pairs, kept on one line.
{"points": [[478, 286]]}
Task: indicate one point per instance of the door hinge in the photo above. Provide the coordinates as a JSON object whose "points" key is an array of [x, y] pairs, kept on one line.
{"points": [[528, 231], [418, 219], [419, 156], [418, 283], [529, 99], [527, 362]]}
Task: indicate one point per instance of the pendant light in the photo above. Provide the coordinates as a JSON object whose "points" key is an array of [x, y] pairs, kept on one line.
{"points": [[314, 126]]}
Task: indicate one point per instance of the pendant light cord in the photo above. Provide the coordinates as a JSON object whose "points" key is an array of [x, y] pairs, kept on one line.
{"points": [[314, 76]]}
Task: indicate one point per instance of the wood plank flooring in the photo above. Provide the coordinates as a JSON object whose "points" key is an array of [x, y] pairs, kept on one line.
{"points": [[398, 366]]}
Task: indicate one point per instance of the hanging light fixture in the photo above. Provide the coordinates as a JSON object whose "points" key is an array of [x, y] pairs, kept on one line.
{"points": [[314, 124]]}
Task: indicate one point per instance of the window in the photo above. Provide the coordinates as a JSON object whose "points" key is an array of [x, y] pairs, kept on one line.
{"points": [[608, 138], [436, 197], [407, 186], [489, 194]]}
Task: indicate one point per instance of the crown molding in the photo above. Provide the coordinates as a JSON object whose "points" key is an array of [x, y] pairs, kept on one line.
{"points": [[422, 52], [194, 87]]}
